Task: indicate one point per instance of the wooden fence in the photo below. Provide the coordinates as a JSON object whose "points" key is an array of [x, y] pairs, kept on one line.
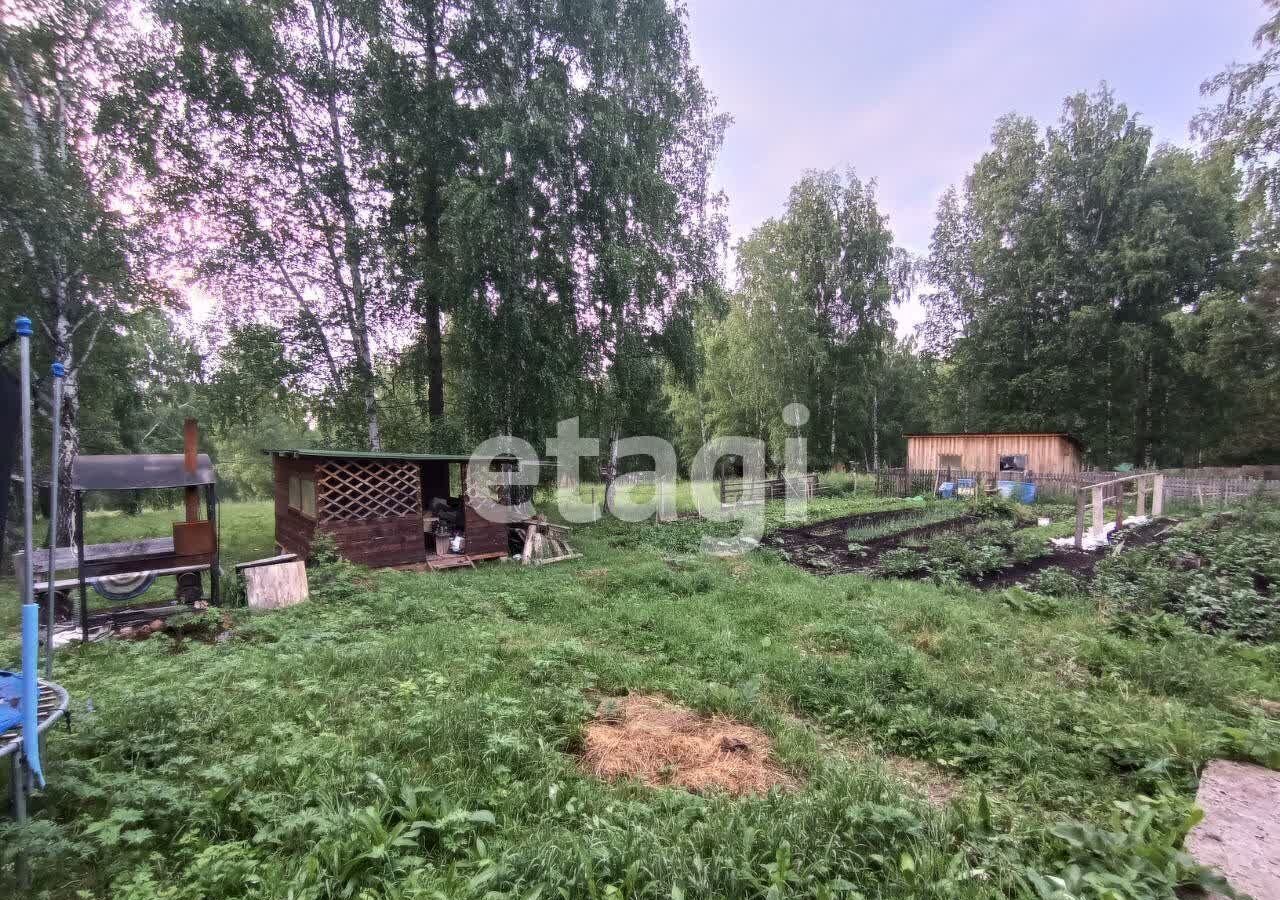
{"points": [[1096, 496], [1210, 491], [747, 492], [1179, 487], [925, 482]]}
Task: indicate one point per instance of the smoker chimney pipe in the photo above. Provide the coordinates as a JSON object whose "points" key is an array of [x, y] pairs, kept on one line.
{"points": [[190, 444]]}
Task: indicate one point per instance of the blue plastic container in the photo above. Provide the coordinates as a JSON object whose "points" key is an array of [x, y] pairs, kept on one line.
{"points": [[947, 490], [1006, 488], [1028, 492]]}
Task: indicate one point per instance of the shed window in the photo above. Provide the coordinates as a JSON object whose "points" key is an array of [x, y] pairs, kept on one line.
{"points": [[949, 461], [302, 495], [1014, 463]]}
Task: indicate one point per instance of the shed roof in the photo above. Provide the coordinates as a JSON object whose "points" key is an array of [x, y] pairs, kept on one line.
{"points": [[138, 471], [958, 434], [367, 454]]}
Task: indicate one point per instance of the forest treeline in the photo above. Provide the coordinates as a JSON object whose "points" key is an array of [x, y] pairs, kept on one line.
{"points": [[419, 223]]}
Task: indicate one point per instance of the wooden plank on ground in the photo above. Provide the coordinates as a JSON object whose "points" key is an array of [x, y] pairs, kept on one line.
{"points": [[453, 561], [276, 586], [269, 561], [1240, 833]]}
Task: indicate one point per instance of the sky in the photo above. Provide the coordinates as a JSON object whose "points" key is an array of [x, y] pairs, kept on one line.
{"points": [[907, 92]]}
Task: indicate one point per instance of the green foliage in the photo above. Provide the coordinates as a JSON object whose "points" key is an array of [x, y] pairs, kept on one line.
{"points": [[997, 508], [1062, 241], [351, 746], [932, 515], [971, 554], [900, 562], [810, 323], [1055, 581], [1219, 578], [1137, 855], [1026, 602]]}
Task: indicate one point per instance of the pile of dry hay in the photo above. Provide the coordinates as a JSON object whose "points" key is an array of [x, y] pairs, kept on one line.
{"points": [[665, 745]]}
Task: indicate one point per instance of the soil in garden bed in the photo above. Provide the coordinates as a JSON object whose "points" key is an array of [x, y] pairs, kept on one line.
{"points": [[1079, 563], [822, 548]]}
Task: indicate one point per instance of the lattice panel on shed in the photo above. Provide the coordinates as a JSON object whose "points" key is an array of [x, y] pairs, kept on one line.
{"points": [[349, 489]]}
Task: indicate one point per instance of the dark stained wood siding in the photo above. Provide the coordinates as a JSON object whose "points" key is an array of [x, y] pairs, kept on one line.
{"points": [[1047, 454], [379, 542], [391, 541], [293, 530], [483, 536]]}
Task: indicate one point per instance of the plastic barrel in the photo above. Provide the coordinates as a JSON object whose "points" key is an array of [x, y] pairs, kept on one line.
{"points": [[1028, 492]]}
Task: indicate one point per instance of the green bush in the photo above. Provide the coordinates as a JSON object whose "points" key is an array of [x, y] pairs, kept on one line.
{"points": [[1056, 581], [1138, 854], [900, 563], [1219, 579], [966, 555]]}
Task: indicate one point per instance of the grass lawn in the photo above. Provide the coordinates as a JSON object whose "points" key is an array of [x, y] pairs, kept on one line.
{"points": [[414, 735]]}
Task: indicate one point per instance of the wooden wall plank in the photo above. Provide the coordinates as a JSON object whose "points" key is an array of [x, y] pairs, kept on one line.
{"points": [[1046, 453], [293, 530]]}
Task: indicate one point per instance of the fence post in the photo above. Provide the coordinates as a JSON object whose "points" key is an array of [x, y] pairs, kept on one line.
{"points": [[1140, 484], [1157, 495], [1098, 513], [1079, 518]]}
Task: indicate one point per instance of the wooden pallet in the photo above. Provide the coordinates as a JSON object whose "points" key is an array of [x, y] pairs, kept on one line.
{"points": [[458, 561], [481, 557], [545, 543]]}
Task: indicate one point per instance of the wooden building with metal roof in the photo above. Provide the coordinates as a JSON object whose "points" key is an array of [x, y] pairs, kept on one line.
{"points": [[1038, 452], [385, 509]]}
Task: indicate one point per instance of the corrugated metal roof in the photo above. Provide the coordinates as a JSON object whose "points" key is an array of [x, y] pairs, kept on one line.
{"points": [[1062, 434], [138, 472], [368, 454]]}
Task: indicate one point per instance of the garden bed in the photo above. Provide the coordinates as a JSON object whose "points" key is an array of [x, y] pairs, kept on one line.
{"points": [[1080, 563], [824, 548]]}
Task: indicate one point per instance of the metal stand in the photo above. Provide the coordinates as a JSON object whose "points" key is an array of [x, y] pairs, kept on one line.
{"points": [[19, 783], [21, 773], [22, 742]]}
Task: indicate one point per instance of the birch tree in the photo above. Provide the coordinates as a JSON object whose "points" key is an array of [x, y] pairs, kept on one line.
{"points": [[68, 252], [242, 118]]}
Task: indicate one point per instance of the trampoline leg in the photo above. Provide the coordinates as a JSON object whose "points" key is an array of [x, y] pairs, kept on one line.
{"points": [[18, 783]]}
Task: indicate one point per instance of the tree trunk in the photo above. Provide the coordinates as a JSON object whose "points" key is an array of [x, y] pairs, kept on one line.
{"points": [[831, 453], [1142, 413], [352, 249], [431, 308], [69, 440], [431, 316], [875, 428], [68, 450]]}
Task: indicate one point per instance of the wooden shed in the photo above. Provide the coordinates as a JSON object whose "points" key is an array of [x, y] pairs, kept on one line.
{"points": [[383, 509], [1040, 453]]}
